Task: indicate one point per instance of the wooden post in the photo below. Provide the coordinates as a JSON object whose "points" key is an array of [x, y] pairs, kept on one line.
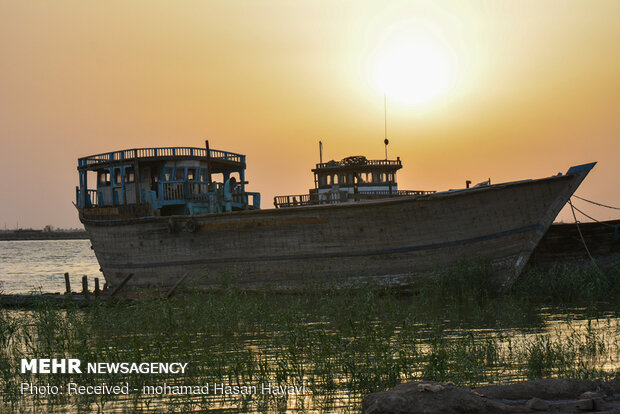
{"points": [[97, 290], [208, 163], [67, 284], [116, 289], [85, 292], [136, 178]]}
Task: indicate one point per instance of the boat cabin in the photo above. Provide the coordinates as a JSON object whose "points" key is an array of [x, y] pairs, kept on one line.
{"points": [[163, 181], [351, 179]]}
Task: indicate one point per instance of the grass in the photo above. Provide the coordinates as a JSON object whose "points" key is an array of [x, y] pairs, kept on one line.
{"points": [[564, 283], [341, 345]]}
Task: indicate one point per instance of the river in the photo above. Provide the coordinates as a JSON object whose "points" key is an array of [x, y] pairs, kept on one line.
{"points": [[39, 265]]}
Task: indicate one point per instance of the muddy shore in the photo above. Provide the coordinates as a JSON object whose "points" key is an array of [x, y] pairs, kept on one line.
{"points": [[547, 395]]}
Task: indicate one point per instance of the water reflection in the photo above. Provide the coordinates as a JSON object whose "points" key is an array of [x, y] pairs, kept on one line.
{"points": [[39, 265]]}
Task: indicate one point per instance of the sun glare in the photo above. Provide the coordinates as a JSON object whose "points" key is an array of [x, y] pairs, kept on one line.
{"points": [[414, 70]]}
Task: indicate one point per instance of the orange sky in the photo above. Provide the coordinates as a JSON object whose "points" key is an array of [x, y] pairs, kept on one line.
{"points": [[536, 88]]}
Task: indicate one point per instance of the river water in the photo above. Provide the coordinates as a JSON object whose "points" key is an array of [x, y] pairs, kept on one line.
{"points": [[316, 346], [39, 265]]}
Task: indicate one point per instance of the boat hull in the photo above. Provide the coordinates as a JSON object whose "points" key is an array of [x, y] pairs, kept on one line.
{"points": [[393, 240], [563, 244]]}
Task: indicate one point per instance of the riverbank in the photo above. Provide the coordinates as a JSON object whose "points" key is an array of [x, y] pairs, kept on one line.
{"points": [[551, 395], [13, 235]]}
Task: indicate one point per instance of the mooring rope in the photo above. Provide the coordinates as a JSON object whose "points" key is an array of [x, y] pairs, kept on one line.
{"points": [[594, 202], [572, 208], [592, 218]]}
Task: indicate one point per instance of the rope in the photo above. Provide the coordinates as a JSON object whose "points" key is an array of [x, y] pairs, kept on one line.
{"points": [[592, 218], [594, 202], [581, 235]]}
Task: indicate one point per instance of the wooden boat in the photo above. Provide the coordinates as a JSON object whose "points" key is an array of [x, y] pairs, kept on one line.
{"points": [[160, 214], [562, 244]]}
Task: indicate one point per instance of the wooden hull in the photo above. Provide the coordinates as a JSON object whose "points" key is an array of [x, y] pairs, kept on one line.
{"points": [[562, 244], [395, 240]]}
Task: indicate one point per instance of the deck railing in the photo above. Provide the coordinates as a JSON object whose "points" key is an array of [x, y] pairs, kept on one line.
{"points": [[174, 191], [93, 198], [341, 197], [348, 163], [141, 153], [294, 200], [395, 193]]}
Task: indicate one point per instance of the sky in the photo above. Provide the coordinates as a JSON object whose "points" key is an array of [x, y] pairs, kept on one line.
{"points": [[505, 90]]}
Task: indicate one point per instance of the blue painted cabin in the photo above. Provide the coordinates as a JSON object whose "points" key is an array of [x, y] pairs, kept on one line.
{"points": [[164, 181]]}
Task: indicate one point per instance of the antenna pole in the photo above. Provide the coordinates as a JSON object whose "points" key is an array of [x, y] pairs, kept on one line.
{"points": [[385, 114], [385, 141], [321, 152]]}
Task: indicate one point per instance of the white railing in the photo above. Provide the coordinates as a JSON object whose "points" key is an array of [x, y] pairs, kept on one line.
{"points": [[141, 153]]}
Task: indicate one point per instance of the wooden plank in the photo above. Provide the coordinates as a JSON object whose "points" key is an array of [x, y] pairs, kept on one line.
{"points": [[120, 286], [176, 285]]}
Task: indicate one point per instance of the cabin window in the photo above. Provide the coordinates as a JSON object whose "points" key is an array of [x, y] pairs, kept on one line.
{"points": [[191, 174], [103, 178], [336, 179], [179, 174], [91, 177], [391, 177], [236, 176], [167, 174], [217, 177], [129, 175], [117, 176], [204, 176], [329, 180], [155, 175]]}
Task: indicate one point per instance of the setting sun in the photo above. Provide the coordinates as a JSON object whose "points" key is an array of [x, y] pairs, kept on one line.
{"points": [[413, 70]]}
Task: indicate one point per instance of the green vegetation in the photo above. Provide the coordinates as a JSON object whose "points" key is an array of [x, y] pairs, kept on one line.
{"points": [[341, 344], [564, 283]]}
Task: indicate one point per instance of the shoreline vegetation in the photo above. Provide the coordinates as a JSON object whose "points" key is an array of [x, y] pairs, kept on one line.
{"points": [[339, 345]]}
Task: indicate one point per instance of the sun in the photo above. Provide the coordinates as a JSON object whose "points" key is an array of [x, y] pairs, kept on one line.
{"points": [[413, 69]]}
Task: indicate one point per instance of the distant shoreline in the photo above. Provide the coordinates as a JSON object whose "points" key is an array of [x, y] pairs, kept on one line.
{"points": [[13, 235]]}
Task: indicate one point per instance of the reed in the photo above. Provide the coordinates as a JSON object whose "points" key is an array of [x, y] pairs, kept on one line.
{"points": [[341, 345], [570, 284]]}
